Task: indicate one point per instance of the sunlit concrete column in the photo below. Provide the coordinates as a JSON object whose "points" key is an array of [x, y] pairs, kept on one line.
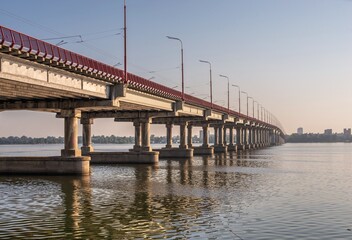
{"points": [[245, 136], [205, 135], [238, 136], [272, 136], [254, 141], [86, 136], [267, 138], [71, 133], [137, 135], [250, 136], [221, 135], [261, 138], [189, 136], [183, 135], [225, 136], [231, 147], [146, 134], [169, 135], [231, 136], [216, 136]]}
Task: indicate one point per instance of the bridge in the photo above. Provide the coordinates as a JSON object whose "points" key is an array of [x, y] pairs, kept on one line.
{"points": [[38, 76]]}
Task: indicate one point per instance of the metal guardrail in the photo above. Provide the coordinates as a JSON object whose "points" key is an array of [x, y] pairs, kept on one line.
{"points": [[56, 56]]}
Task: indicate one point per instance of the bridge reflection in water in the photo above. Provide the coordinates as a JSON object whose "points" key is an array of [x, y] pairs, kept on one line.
{"points": [[176, 198]]}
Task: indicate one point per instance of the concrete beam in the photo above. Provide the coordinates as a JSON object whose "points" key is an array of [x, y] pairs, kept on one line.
{"points": [[57, 105], [176, 120]]}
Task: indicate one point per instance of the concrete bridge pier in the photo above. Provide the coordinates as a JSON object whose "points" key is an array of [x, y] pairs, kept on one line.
{"points": [[231, 147], [267, 138], [71, 133], [137, 136], [189, 136], [205, 149], [257, 143], [183, 151], [221, 147], [168, 135], [69, 163], [141, 152], [87, 147], [145, 125], [254, 132], [246, 139], [239, 138], [250, 138], [260, 137]]}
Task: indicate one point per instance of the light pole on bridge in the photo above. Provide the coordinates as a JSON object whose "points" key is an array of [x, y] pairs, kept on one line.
{"points": [[228, 92], [257, 109], [239, 97], [182, 70], [247, 100], [125, 41], [253, 105], [211, 82]]}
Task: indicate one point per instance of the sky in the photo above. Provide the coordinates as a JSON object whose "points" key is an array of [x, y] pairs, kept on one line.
{"points": [[294, 57]]}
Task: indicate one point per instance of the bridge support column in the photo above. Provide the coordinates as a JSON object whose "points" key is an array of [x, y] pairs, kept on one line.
{"points": [[216, 136], [232, 146], [183, 135], [71, 133], [257, 136], [245, 142], [146, 135], [205, 135], [250, 138], [137, 136], [205, 149], [189, 136], [169, 135], [221, 136], [220, 147], [239, 138], [86, 136]]}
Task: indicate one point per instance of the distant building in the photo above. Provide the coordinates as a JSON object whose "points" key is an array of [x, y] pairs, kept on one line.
{"points": [[328, 132], [347, 132], [300, 131]]}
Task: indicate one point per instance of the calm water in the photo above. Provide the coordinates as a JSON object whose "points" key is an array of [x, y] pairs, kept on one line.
{"points": [[295, 191]]}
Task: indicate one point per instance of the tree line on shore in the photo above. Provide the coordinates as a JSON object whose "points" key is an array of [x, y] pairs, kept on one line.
{"points": [[95, 139]]}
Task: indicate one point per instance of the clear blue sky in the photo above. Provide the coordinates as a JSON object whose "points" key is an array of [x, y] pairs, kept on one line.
{"points": [[294, 57]]}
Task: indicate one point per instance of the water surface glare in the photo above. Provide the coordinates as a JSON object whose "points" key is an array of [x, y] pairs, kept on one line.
{"points": [[294, 191]]}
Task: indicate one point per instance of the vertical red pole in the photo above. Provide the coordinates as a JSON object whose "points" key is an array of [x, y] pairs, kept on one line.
{"points": [[125, 44]]}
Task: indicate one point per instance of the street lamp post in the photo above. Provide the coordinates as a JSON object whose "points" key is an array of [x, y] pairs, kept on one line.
{"points": [[125, 41], [239, 97], [211, 84], [182, 70], [257, 109], [228, 92], [247, 100], [253, 104]]}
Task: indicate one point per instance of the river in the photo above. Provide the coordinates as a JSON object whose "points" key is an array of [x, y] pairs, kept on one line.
{"points": [[293, 191]]}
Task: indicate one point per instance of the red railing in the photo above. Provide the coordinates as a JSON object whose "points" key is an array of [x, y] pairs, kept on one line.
{"points": [[26, 44]]}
